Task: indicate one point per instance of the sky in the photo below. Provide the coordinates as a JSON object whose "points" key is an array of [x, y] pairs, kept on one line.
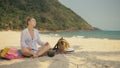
{"points": [[104, 14]]}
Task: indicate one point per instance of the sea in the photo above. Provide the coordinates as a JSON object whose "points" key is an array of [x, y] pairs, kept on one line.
{"points": [[87, 34]]}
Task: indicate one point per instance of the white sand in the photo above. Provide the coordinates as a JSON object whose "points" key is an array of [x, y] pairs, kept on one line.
{"points": [[89, 53]]}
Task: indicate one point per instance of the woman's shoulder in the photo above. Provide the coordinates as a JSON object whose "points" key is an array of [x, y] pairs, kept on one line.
{"points": [[24, 30], [35, 29]]}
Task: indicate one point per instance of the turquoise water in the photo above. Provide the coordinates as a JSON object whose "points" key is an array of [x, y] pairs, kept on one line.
{"points": [[87, 34]]}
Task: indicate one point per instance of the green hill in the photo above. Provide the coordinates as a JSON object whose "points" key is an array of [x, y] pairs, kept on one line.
{"points": [[50, 15]]}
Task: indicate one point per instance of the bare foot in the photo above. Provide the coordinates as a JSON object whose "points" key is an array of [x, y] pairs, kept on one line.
{"points": [[35, 55]]}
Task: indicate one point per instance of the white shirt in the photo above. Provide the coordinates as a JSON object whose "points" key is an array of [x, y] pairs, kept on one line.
{"points": [[26, 40]]}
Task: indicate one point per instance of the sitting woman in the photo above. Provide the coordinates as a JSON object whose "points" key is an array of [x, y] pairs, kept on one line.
{"points": [[29, 39]]}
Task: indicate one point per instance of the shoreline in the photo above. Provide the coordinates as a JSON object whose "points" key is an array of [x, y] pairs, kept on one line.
{"points": [[57, 35]]}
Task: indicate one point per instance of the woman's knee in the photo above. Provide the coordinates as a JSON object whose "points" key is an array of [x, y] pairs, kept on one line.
{"points": [[48, 46], [26, 52]]}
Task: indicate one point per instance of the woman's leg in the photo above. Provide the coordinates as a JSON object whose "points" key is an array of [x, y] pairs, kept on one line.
{"points": [[43, 49], [27, 52]]}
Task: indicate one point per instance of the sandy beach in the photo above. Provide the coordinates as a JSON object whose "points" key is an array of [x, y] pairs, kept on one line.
{"points": [[89, 53]]}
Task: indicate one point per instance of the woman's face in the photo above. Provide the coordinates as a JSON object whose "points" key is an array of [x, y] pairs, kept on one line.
{"points": [[32, 22]]}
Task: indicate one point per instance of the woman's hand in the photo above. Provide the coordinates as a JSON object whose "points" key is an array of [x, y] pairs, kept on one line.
{"points": [[29, 48], [35, 55]]}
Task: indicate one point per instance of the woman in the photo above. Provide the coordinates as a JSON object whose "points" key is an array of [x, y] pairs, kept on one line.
{"points": [[29, 39]]}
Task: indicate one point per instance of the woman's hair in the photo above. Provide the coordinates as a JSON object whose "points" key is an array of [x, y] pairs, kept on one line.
{"points": [[28, 19]]}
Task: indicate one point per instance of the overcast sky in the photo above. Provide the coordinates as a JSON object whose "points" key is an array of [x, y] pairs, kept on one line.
{"points": [[104, 14]]}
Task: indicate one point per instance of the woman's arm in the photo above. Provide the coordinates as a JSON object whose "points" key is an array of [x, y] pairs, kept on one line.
{"points": [[22, 41], [39, 40]]}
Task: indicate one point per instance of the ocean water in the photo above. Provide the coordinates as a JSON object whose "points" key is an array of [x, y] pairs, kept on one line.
{"points": [[87, 34]]}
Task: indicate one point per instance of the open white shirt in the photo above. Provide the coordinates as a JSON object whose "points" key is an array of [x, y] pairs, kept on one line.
{"points": [[26, 40]]}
